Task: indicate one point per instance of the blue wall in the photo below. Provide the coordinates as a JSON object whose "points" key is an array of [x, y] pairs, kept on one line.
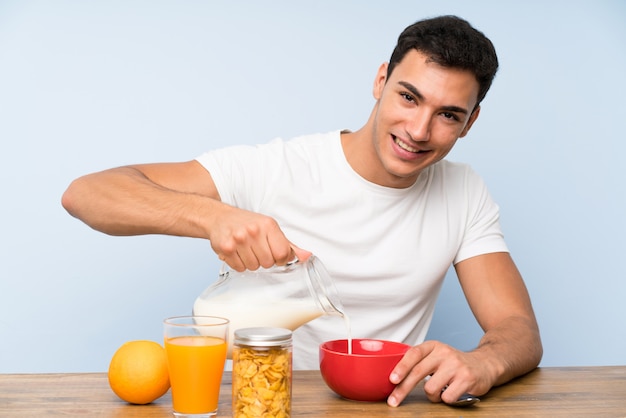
{"points": [[89, 85]]}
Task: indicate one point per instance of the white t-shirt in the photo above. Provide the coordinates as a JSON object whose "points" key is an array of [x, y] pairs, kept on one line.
{"points": [[387, 249]]}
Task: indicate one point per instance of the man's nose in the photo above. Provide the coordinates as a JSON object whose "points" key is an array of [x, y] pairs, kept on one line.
{"points": [[418, 127]]}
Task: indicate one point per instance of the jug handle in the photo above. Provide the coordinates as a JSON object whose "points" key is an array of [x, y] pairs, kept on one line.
{"points": [[226, 268]]}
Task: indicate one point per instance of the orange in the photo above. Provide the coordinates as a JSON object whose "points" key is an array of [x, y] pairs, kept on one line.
{"points": [[138, 372]]}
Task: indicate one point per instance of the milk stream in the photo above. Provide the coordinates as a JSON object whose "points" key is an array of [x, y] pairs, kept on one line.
{"points": [[346, 320]]}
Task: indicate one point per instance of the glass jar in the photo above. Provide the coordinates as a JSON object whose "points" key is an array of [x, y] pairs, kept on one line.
{"points": [[281, 296], [262, 372]]}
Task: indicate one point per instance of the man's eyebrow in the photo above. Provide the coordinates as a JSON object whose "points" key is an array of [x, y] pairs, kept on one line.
{"points": [[411, 88]]}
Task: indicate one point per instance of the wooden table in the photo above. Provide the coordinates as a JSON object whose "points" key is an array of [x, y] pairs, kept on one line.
{"points": [[546, 392]]}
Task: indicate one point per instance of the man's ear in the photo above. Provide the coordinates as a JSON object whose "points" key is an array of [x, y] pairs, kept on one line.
{"points": [[470, 122], [380, 80]]}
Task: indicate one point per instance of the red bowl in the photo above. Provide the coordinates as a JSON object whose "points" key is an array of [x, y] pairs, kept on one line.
{"points": [[364, 374]]}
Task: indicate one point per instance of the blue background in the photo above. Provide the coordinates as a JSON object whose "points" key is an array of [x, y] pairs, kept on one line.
{"points": [[85, 86]]}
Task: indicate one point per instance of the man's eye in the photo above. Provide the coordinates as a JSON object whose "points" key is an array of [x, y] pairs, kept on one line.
{"points": [[450, 116], [407, 97]]}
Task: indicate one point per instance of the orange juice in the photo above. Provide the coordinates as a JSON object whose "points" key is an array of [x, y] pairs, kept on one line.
{"points": [[196, 364]]}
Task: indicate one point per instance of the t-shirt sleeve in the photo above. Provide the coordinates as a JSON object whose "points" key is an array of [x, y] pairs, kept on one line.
{"points": [[483, 233], [240, 173]]}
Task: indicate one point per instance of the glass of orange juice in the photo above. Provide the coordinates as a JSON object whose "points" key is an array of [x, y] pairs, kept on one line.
{"points": [[196, 352]]}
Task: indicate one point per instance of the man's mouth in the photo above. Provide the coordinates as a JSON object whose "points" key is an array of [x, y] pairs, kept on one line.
{"points": [[405, 146]]}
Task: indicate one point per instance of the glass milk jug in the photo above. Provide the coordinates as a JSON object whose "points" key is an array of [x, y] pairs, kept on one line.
{"points": [[281, 296]]}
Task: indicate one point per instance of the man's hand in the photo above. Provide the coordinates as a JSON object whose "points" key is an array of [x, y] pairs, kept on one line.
{"points": [[455, 371], [510, 347], [248, 240]]}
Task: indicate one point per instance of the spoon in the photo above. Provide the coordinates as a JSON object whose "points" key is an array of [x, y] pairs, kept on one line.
{"points": [[464, 400]]}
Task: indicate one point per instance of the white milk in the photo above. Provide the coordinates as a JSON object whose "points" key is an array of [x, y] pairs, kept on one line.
{"points": [[288, 314], [346, 320]]}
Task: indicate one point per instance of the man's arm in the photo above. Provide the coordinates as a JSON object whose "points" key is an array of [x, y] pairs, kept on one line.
{"points": [[177, 199], [510, 347], [144, 199], [498, 297]]}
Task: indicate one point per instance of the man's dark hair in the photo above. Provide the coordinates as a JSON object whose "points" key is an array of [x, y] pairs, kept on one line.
{"points": [[450, 42]]}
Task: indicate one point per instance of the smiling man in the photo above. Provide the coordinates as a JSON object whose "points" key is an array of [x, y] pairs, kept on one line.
{"points": [[422, 109], [380, 206]]}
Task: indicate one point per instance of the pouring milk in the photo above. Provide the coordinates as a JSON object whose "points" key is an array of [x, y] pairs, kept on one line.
{"points": [[282, 296]]}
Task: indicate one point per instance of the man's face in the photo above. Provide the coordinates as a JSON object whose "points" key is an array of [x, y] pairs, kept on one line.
{"points": [[422, 109]]}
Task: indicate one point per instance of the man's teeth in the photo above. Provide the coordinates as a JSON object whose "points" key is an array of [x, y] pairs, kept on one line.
{"points": [[404, 146]]}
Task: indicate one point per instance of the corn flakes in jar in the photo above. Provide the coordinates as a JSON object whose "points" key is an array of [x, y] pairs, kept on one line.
{"points": [[262, 372]]}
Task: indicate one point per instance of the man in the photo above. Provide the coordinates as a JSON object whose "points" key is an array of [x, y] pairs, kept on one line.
{"points": [[380, 207]]}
